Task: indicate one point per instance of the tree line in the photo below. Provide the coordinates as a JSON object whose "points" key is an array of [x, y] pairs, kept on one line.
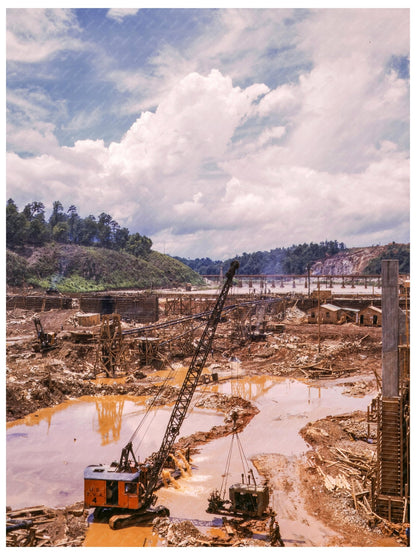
{"points": [[30, 227], [396, 251], [290, 260]]}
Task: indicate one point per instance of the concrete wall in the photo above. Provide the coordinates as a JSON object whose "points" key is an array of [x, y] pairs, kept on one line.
{"points": [[139, 308], [38, 303]]}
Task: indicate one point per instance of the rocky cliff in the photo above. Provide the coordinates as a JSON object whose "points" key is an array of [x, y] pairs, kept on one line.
{"points": [[350, 262]]}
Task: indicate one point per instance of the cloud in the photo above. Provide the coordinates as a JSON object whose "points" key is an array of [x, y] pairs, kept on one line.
{"points": [[34, 35], [215, 167], [157, 163], [30, 121], [239, 42], [339, 111], [118, 14]]}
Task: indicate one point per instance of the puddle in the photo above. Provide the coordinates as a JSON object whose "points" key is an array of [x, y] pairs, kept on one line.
{"points": [[286, 405], [136, 536], [48, 451]]}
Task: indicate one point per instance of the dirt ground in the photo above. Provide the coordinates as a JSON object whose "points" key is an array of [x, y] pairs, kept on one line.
{"points": [[36, 380]]}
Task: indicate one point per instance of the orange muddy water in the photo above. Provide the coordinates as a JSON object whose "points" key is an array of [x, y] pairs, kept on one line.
{"points": [[48, 451]]}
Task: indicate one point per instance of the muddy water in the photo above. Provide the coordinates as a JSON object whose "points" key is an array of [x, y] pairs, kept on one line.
{"points": [[47, 452], [286, 405]]}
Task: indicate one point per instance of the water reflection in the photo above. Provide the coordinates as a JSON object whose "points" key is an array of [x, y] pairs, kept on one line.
{"points": [[109, 419], [45, 463]]}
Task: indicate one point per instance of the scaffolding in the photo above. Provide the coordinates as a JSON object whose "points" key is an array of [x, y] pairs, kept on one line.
{"points": [[110, 354]]}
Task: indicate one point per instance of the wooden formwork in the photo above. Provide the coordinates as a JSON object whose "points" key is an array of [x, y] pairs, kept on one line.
{"points": [[179, 305], [391, 495], [137, 308], [110, 355], [183, 341], [390, 466], [239, 316], [88, 319], [185, 304], [38, 303], [148, 348]]}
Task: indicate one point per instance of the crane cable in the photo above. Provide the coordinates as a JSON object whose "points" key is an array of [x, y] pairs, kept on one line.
{"points": [[150, 407], [243, 459], [163, 386]]}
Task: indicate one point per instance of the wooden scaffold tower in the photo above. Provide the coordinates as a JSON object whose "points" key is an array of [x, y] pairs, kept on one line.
{"points": [[111, 348]]}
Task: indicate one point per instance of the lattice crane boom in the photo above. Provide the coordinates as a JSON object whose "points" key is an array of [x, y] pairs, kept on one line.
{"points": [[189, 384]]}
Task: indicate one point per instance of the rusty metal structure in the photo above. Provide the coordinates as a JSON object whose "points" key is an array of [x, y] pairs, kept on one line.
{"points": [[45, 341]]}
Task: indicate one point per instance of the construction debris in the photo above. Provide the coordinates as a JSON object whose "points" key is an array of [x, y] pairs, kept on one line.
{"points": [[290, 349], [44, 527]]}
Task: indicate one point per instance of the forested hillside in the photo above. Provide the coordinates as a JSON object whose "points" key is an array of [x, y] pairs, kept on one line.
{"points": [[30, 227], [327, 257], [290, 260], [68, 253]]}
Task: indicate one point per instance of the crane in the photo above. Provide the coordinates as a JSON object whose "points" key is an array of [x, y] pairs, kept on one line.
{"points": [[128, 487]]}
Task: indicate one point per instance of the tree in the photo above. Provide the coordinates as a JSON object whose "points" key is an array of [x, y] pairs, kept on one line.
{"points": [[60, 232], [74, 225], [38, 232], [57, 215], [138, 245], [16, 226], [89, 231], [120, 237], [104, 230]]}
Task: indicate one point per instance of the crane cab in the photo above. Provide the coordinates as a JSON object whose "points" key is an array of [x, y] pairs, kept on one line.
{"points": [[104, 486]]}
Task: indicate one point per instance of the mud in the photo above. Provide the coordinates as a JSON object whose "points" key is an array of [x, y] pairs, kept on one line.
{"points": [[346, 357]]}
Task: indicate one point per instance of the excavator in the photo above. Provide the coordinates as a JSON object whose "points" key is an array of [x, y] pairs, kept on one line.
{"points": [[127, 488], [46, 341]]}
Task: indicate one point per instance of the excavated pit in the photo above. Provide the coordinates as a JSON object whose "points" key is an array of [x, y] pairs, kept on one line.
{"points": [[278, 395]]}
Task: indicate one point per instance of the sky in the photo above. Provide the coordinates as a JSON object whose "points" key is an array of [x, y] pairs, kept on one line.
{"points": [[214, 131]]}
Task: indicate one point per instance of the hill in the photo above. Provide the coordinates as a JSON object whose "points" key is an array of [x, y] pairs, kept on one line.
{"points": [[364, 260], [74, 268], [325, 258]]}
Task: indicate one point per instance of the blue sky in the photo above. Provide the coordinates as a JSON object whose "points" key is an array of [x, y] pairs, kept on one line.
{"points": [[214, 131]]}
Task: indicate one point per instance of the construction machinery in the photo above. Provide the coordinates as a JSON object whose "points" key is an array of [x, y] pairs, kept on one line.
{"points": [[127, 488], [246, 498], [46, 341]]}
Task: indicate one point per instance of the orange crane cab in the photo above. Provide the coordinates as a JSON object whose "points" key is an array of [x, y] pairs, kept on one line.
{"points": [[105, 487]]}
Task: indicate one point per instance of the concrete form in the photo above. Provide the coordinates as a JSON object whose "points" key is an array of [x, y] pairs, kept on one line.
{"points": [[391, 495], [38, 303], [138, 308]]}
